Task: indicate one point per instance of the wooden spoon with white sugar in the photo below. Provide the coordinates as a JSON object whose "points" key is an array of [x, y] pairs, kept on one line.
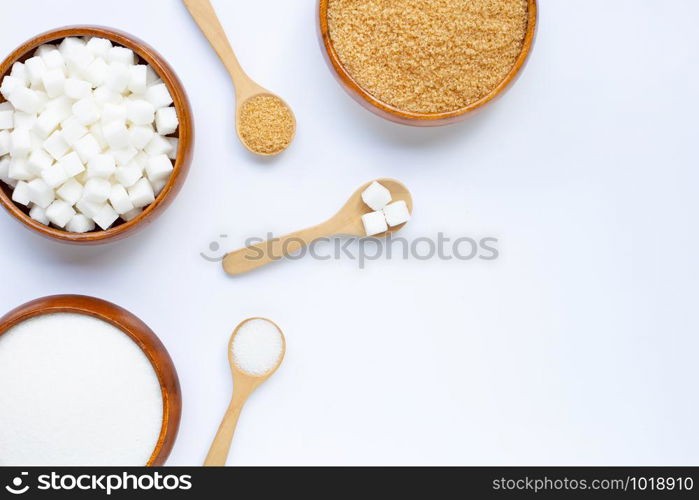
{"points": [[347, 221], [264, 121], [255, 351]]}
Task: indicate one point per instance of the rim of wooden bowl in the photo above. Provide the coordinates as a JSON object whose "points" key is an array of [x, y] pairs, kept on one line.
{"points": [[184, 150], [139, 332], [394, 114]]}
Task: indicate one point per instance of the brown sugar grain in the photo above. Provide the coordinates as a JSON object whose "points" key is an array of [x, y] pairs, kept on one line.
{"points": [[266, 124], [428, 56]]}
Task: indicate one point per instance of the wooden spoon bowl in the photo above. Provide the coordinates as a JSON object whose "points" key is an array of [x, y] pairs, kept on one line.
{"points": [[390, 112], [139, 332], [185, 134]]}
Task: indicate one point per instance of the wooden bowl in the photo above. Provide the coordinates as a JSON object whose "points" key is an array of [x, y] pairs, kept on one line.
{"points": [[139, 332], [185, 133], [404, 117]]}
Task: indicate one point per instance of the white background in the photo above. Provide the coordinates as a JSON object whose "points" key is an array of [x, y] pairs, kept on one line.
{"points": [[577, 346]]}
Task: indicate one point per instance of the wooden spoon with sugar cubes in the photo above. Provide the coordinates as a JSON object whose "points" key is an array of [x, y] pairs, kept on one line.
{"points": [[264, 121], [377, 209]]}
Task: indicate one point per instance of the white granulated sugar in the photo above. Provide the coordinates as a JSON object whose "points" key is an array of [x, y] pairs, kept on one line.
{"points": [[75, 390], [257, 346]]}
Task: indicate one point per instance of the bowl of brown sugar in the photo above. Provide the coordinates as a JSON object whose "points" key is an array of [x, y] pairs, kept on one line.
{"points": [[426, 62]]}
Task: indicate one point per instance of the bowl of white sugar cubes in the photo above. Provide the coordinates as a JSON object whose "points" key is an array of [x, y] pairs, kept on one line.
{"points": [[95, 134]]}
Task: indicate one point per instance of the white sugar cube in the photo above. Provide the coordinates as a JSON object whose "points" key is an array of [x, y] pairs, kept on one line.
{"points": [[36, 141], [59, 213], [38, 161], [124, 156], [77, 89], [116, 134], [174, 144], [113, 113], [140, 135], [54, 175], [18, 170], [40, 193], [80, 223], [24, 99], [139, 112], [374, 223], [87, 147], [35, 67], [376, 196], [71, 164], [24, 120], [54, 82], [101, 165], [121, 55], [7, 120], [141, 193], [21, 194], [396, 213], [86, 111], [105, 217], [99, 47], [6, 106], [46, 123], [159, 168], [56, 145], [104, 95], [96, 72], [151, 76], [88, 208], [39, 214], [119, 199], [96, 131], [158, 146], [62, 106], [4, 142], [128, 175], [132, 214], [10, 85], [42, 97], [97, 190], [117, 78], [166, 120], [158, 186], [142, 159], [20, 142], [158, 95], [78, 60], [71, 191], [19, 71], [70, 44], [52, 57], [72, 130], [138, 79], [43, 49]]}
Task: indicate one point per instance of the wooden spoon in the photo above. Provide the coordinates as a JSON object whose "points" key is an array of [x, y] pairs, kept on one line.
{"points": [[245, 87], [244, 384], [347, 221]]}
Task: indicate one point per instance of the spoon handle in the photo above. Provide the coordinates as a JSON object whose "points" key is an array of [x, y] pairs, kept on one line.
{"points": [[218, 452], [257, 255], [205, 16]]}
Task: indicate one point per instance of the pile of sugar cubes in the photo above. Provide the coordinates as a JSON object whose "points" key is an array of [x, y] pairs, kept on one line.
{"points": [[385, 214], [84, 134]]}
